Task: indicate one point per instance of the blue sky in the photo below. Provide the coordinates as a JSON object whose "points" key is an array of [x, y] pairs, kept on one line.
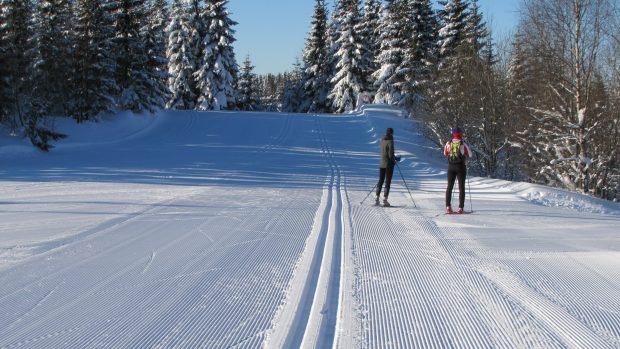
{"points": [[273, 32]]}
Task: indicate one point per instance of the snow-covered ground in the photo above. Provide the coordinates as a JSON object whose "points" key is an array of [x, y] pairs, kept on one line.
{"points": [[245, 230]]}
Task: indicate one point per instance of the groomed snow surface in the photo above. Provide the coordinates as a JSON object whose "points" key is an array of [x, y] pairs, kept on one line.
{"points": [[246, 230]]}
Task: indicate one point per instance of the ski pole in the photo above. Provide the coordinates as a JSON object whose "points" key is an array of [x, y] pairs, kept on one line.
{"points": [[471, 207], [403, 177], [367, 195]]}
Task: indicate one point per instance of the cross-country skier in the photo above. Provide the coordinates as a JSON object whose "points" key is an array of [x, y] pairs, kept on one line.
{"points": [[457, 153], [386, 165]]}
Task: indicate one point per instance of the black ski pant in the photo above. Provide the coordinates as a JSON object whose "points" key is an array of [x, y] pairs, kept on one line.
{"points": [[385, 175], [456, 171]]}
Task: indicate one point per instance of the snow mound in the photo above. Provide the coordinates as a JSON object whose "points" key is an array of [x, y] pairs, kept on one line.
{"points": [[552, 197], [107, 129]]}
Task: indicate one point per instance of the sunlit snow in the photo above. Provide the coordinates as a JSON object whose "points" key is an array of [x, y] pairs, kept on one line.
{"points": [[245, 230]]}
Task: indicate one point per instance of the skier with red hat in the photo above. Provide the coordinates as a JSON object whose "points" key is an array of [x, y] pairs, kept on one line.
{"points": [[457, 153]]}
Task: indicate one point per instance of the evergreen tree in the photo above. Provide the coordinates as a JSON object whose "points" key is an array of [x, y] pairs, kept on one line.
{"points": [[6, 91], [181, 57], [53, 46], [316, 63], [405, 68], [476, 32], [15, 47], [218, 68], [334, 28], [368, 30], [132, 77], [248, 87], [452, 32], [449, 102], [389, 78], [94, 84], [154, 33], [293, 89], [25, 109], [423, 51], [348, 81]]}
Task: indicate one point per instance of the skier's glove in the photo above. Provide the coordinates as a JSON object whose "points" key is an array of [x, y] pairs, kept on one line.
{"points": [[397, 158]]}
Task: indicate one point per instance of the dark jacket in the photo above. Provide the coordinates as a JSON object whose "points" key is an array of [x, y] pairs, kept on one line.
{"points": [[387, 152]]}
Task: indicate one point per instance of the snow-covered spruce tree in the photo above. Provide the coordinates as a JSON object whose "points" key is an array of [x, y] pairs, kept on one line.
{"points": [[388, 78], [181, 55], [15, 48], [25, 110], [422, 54], [453, 28], [248, 89], [316, 63], [53, 53], [6, 91], [135, 81], [347, 81], [448, 100], [267, 86], [217, 69], [368, 31], [334, 27], [93, 83], [154, 33], [281, 89], [293, 89], [476, 32]]}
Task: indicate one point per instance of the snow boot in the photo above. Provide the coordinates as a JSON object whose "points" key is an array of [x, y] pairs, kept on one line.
{"points": [[377, 201], [448, 210], [386, 203], [460, 210]]}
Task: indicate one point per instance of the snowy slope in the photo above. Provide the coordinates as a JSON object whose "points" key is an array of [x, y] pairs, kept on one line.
{"points": [[245, 230]]}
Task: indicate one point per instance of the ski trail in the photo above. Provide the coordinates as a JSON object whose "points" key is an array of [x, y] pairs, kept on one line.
{"points": [[309, 316], [321, 329]]}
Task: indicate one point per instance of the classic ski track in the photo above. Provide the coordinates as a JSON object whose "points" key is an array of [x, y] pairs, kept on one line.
{"points": [[283, 135], [322, 326], [309, 317]]}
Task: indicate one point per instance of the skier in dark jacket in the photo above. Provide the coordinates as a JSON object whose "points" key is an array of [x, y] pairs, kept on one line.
{"points": [[386, 165], [457, 153]]}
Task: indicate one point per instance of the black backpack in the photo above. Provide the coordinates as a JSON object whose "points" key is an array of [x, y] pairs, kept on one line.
{"points": [[454, 155]]}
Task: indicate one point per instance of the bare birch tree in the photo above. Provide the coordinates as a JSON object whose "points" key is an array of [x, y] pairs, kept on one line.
{"points": [[569, 35]]}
